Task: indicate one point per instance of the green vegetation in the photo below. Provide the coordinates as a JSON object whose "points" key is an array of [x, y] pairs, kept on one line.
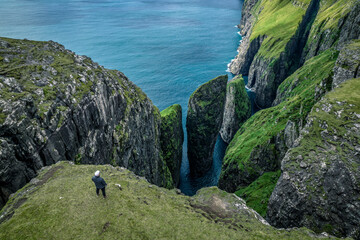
{"points": [[242, 101], [172, 139], [330, 13], [298, 91], [343, 104], [202, 91], [327, 22], [33, 66], [257, 194], [63, 205], [274, 22], [297, 95]]}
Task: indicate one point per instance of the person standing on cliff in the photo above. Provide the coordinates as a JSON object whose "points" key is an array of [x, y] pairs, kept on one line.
{"points": [[99, 183]]}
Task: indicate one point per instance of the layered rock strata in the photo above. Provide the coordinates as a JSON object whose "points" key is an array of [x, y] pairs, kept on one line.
{"points": [[319, 184], [237, 108], [56, 105]]}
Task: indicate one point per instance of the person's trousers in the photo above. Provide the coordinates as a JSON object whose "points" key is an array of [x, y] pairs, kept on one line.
{"points": [[102, 190]]}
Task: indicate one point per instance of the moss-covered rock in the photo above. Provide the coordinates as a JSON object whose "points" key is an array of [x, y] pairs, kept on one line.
{"points": [[56, 105], [320, 182], [281, 35], [237, 108], [63, 204], [172, 138], [336, 23], [263, 140], [257, 194], [347, 65], [203, 122]]}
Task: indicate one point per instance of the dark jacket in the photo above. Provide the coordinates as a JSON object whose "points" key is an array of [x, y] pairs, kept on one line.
{"points": [[99, 182]]}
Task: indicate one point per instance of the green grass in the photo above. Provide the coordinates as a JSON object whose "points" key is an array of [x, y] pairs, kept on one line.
{"points": [[66, 207], [327, 22], [242, 101], [328, 140], [298, 97], [26, 72], [347, 94], [171, 141], [278, 20], [257, 194], [331, 11]]}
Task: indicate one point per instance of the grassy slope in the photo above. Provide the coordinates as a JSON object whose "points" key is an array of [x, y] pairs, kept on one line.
{"points": [[274, 22], [66, 207], [328, 17], [344, 102], [268, 122], [257, 194]]}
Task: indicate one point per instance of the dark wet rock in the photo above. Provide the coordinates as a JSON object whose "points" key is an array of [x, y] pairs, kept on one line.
{"points": [[203, 122], [56, 105]]}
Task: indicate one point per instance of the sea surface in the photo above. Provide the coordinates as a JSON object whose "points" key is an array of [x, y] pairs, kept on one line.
{"points": [[166, 47]]}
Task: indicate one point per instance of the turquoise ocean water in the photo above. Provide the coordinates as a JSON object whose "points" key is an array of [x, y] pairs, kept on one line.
{"points": [[166, 47]]}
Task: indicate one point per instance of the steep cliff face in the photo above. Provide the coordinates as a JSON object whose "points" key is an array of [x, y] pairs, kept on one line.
{"points": [[306, 49], [336, 23], [237, 108], [348, 63], [56, 105], [270, 52], [319, 184], [248, 49], [203, 122], [172, 138], [263, 140]]}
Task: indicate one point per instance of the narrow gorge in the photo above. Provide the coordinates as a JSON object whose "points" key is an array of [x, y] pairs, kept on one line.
{"points": [[291, 170]]}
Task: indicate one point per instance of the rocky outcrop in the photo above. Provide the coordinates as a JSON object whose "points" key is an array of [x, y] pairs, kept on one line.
{"points": [[319, 184], [262, 141], [333, 27], [237, 108], [172, 138], [247, 49], [263, 158], [56, 105], [203, 122], [347, 65]]}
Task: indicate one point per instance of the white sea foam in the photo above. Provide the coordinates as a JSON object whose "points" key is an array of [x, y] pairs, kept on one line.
{"points": [[228, 65], [249, 89]]}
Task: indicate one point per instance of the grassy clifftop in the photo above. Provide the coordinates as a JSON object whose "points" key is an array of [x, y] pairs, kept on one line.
{"points": [[61, 204], [273, 21]]}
